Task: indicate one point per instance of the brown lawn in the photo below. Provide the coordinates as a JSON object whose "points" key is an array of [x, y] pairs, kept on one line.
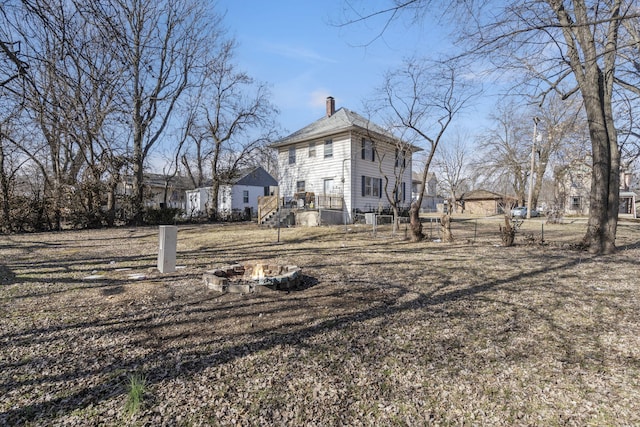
{"points": [[383, 332]]}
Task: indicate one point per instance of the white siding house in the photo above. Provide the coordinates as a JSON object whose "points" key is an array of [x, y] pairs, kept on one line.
{"points": [[573, 188], [236, 196], [345, 157], [197, 201], [430, 198]]}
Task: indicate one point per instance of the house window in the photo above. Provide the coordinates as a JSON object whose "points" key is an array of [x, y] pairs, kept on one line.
{"points": [[245, 196], [367, 150], [300, 186], [292, 155], [400, 193], [371, 187], [576, 203], [312, 149], [328, 148]]}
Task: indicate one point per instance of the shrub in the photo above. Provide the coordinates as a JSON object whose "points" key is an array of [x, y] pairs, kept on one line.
{"points": [[163, 216]]}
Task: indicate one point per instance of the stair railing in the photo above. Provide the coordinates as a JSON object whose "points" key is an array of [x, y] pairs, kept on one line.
{"points": [[266, 206]]}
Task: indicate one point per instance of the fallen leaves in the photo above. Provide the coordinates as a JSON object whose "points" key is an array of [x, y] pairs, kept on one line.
{"points": [[385, 332]]}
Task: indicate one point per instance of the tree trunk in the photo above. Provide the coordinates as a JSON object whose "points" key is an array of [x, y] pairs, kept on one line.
{"points": [[56, 205], [137, 199], [445, 223], [213, 208], [4, 190], [110, 214], [396, 220], [414, 222], [537, 188], [605, 180], [508, 232]]}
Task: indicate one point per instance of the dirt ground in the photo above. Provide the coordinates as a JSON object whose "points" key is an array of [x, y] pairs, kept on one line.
{"points": [[382, 331]]}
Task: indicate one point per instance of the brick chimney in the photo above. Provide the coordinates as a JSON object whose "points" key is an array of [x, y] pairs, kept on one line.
{"points": [[331, 106]]}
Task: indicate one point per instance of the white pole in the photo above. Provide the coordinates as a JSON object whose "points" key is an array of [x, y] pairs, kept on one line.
{"points": [[168, 237]]}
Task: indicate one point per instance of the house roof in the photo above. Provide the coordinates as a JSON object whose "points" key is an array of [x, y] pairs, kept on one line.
{"points": [[159, 180], [257, 177], [417, 176], [252, 177], [340, 121], [483, 195]]}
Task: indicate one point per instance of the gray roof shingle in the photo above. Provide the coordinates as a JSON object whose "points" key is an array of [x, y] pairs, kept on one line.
{"points": [[342, 120]]}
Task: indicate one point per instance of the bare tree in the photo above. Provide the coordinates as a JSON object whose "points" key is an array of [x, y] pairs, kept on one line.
{"points": [[393, 156], [423, 98], [72, 84], [628, 129], [561, 126], [9, 166], [585, 40], [504, 152], [12, 70], [451, 164], [160, 45], [234, 119], [504, 159], [103, 89], [12, 64], [52, 34], [555, 42], [393, 187]]}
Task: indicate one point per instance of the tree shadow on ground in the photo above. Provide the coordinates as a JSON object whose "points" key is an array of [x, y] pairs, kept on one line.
{"points": [[7, 276], [142, 324], [159, 362]]}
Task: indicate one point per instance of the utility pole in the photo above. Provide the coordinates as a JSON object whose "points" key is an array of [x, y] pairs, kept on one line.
{"points": [[533, 165]]}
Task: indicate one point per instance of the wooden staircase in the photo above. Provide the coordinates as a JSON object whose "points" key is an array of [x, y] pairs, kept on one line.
{"points": [[271, 209]]}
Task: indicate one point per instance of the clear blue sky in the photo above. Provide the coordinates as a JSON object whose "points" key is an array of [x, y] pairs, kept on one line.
{"points": [[293, 46]]}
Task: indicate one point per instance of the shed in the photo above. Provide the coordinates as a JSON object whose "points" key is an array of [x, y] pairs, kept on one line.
{"points": [[484, 202], [236, 195]]}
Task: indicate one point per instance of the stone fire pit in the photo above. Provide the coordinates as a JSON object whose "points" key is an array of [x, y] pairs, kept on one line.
{"points": [[253, 277]]}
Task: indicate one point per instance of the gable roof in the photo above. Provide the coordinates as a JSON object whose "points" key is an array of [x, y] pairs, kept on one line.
{"points": [[252, 177], [340, 121], [417, 176], [257, 177], [159, 180], [483, 195]]}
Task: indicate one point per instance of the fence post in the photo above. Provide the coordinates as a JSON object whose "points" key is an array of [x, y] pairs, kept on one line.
{"points": [[430, 228], [475, 231], [375, 222]]}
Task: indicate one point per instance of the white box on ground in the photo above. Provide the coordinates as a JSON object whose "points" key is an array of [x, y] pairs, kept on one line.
{"points": [[369, 218], [167, 250]]}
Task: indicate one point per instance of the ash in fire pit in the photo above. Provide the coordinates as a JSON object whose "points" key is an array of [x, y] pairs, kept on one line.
{"points": [[253, 277]]}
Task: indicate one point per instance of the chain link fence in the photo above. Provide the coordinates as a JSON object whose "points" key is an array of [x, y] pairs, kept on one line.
{"points": [[485, 230]]}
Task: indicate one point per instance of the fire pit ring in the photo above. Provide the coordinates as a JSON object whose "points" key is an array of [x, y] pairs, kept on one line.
{"points": [[253, 277]]}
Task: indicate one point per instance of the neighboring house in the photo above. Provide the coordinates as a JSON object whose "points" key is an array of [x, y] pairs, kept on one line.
{"points": [[160, 191], [573, 188], [628, 198], [340, 162], [483, 202], [239, 195], [430, 199], [573, 185]]}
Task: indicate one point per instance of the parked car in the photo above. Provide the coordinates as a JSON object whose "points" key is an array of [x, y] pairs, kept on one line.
{"points": [[521, 212]]}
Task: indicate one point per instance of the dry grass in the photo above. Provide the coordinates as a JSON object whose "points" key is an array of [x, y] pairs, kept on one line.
{"points": [[385, 332]]}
